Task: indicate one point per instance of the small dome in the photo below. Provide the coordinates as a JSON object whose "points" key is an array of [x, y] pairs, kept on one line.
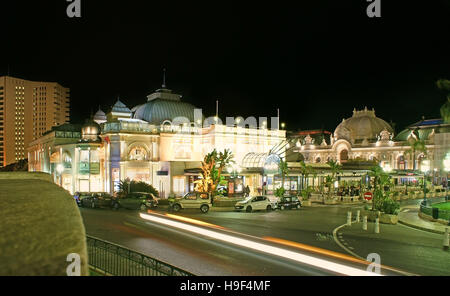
{"points": [[90, 131], [120, 107], [100, 117], [362, 125]]}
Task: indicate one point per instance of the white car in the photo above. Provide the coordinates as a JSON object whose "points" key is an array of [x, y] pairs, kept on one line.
{"points": [[192, 200], [253, 203]]}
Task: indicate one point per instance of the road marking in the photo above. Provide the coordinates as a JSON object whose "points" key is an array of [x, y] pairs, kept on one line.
{"points": [[348, 250]]}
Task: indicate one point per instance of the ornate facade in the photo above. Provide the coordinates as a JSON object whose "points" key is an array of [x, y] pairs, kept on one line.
{"points": [[366, 137], [161, 142]]}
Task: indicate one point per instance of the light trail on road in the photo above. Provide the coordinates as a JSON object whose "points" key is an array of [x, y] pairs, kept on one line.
{"points": [[260, 247], [193, 221]]}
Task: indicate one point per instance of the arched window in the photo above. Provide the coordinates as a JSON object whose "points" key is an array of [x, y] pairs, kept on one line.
{"points": [[167, 126], [67, 160], [318, 160], [344, 155], [138, 153]]}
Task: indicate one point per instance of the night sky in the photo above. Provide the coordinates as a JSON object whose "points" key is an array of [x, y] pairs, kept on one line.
{"points": [[315, 60]]}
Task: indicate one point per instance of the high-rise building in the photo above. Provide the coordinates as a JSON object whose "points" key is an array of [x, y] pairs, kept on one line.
{"points": [[27, 110]]}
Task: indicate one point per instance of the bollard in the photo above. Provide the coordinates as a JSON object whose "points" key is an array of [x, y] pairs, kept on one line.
{"points": [[357, 216], [365, 223], [377, 225], [349, 218], [446, 239]]}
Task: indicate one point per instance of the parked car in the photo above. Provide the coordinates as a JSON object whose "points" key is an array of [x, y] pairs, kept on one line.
{"points": [[192, 200], [97, 200], [289, 202], [138, 201], [253, 203]]}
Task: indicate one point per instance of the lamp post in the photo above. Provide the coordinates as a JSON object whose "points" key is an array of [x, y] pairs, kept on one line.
{"points": [[425, 167]]}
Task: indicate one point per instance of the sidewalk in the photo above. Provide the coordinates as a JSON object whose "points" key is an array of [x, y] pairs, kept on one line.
{"points": [[409, 215]]}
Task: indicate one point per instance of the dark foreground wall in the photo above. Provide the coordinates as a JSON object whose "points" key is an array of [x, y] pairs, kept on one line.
{"points": [[40, 225]]}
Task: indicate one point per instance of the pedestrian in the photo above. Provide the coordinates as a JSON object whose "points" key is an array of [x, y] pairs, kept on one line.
{"points": [[247, 191]]}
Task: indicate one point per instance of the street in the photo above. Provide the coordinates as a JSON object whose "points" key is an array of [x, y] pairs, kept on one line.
{"points": [[400, 247]]}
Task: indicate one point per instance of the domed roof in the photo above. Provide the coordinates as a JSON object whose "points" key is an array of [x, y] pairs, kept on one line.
{"points": [[362, 125], [163, 105], [120, 107], [100, 116], [90, 131]]}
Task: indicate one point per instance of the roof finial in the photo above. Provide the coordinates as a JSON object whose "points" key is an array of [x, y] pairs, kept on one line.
{"points": [[164, 78]]}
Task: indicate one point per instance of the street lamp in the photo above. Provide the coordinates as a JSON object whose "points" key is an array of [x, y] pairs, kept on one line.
{"points": [[425, 168]]}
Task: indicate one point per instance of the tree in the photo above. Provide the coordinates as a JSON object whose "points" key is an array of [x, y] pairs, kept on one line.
{"points": [[335, 168], [416, 145], [20, 166], [284, 171], [126, 186], [305, 170], [381, 179], [212, 167]]}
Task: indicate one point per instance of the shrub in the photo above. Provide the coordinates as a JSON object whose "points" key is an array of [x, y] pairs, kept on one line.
{"points": [[143, 187], [390, 207], [126, 186], [279, 192], [306, 193]]}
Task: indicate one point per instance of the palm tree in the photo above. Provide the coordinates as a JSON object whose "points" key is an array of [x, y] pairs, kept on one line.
{"points": [[212, 167], [305, 170], [335, 168], [416, 145], [381, 180], [284, 171]]}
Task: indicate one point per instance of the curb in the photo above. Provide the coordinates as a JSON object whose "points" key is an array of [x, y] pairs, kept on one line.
{"points": [[420, 228], [222, 209]]}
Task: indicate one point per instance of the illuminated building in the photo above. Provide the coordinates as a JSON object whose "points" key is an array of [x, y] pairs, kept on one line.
{"points": [[27, 110]]}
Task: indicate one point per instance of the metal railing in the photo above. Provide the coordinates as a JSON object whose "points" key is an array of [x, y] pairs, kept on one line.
{"points": [[112, 259]]}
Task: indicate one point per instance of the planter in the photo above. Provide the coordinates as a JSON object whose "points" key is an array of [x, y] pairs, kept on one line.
{"points": [[388, 219], [306, 203], [384, 218], [331, 202]]}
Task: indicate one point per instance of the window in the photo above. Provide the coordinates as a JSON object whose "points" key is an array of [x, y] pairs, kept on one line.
{"points": [[191, 196], [138, 153], [84, 156]]}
